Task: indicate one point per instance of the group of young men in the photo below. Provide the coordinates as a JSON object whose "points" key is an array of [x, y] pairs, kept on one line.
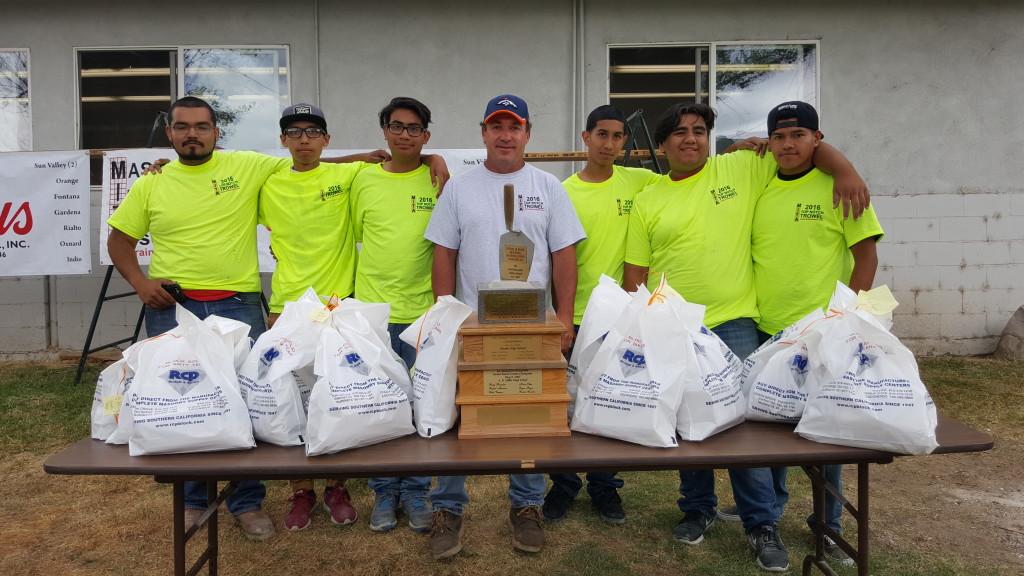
{"points": [[731, 231]]}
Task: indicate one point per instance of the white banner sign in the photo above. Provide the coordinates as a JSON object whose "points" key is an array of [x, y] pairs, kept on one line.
{"points": [[122, 167], [44, 213]]}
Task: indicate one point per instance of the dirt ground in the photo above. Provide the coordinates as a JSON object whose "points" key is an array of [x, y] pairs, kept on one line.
{"points": [[970, 506]]}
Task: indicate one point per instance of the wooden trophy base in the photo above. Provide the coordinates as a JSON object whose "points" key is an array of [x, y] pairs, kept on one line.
{"points": [[512, 380]]}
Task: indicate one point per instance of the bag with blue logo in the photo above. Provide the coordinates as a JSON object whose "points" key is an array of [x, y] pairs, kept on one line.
{"points": [[606, 303], [871, 394], [277, 376], [778, 376], [631, 390], [712, 398], [354, 402], [184, 396], [435, 337]]}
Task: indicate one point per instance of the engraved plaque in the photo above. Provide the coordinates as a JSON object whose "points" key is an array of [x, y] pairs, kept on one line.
{"points": [[506, 382], [514, 263], [506, 415], [503, 347]]}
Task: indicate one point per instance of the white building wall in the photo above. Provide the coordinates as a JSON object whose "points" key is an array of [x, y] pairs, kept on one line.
{"points": [[921, 95]]}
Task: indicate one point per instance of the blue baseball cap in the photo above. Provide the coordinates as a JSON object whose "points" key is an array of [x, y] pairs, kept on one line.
{"points": [[507, 104]]}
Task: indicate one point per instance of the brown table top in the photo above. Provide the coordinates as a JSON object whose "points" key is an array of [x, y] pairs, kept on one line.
{"points": [[747, 445]]}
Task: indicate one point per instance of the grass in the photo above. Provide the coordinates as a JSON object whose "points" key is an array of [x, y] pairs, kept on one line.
{"points": [[121, 525]]}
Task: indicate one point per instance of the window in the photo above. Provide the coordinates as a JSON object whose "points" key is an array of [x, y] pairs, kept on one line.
{"points": [[15, 114], [125, 94], [742, 82]]}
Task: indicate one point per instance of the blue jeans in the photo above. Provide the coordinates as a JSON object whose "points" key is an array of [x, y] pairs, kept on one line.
{"points": [[597, 482], [523, 490], [244, 307], [833, 508], [411, 486], [406, 352], [752, 488], [405, 488]]}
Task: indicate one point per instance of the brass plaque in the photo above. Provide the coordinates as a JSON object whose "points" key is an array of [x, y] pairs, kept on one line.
{"points": [[514, 263], [511, 415], [502, 347], [512, 306], [508, 382]]}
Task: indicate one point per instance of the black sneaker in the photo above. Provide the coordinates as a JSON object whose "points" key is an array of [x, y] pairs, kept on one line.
{"points": [[836, 554], [608, 505], [556, 505], [690, 530], [771, 554]]}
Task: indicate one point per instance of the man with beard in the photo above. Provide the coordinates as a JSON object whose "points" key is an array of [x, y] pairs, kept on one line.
{"points": [[201, 215]]}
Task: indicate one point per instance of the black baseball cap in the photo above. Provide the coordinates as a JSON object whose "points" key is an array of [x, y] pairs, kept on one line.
{"points": [[792, 114], [303, 112]]}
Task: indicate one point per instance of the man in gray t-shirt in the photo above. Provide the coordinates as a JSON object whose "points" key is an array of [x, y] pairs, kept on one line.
{"points": [[465, 227]]}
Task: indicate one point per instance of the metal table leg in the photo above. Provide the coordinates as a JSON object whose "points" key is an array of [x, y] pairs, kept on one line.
{"points": [[861, 555]]}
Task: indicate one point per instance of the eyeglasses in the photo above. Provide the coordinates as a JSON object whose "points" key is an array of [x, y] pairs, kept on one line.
{"points": [[414, 130], [201, 129], [312, 132]]}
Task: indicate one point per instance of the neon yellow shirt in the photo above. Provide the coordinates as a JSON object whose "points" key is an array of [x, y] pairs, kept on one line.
{"points": [[697, 232], [801, 246], [603, 208], [202, 220], [310, 231], [390, 212]]}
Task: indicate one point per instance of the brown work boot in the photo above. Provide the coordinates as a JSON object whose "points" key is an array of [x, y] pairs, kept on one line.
{"points": [[445, 534], [527, 530], [192, 516], [255, 525]]}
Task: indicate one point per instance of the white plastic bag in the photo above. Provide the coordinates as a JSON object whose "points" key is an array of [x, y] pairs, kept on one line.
{"points": [[606, 303], [235, 335], [712, 398], [758, 359], [184, 397], [366, 329], [277, 376], [780, 391], [435, 337], [111, 386], [631, 390], [353, 403], [871, 395]]}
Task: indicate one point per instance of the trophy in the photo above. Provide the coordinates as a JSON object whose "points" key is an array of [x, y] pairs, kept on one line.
{"points": [[511, 370]]}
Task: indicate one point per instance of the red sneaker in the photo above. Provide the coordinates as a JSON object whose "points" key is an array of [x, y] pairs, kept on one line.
{"points": [[302, 508], [339, 503]]}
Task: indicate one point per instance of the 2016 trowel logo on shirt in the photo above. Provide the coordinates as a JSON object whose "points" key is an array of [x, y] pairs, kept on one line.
{"points": [[182, 381]]}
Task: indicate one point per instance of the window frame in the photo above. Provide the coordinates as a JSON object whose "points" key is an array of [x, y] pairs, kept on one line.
{"points": [[28, 98], [712, 68]]}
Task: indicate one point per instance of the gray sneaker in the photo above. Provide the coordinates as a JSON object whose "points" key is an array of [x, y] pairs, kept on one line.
{"points": [[729, 514], [385, 512], [445, 534], [418, 510], [690, 530], [836, 554], [527, 528], [771, 553]]}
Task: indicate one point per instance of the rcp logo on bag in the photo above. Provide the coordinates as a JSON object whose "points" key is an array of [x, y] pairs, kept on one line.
{"points": [[355, 361], [266, 359], [184, 380], [631, 360]]}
